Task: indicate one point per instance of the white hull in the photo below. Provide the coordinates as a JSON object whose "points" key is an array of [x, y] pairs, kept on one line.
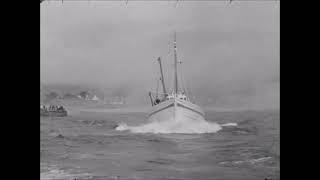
{"points": [[176, 109]]}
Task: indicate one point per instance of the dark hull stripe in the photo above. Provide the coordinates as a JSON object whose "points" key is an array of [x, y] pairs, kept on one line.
{"points": [[190, 109], [162, 109]]}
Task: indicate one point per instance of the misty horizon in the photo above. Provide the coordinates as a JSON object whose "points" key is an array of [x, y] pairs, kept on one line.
{"points": [[229, 52]]}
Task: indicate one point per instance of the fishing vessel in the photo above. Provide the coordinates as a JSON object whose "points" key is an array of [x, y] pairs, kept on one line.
{"points": [[176, 105]]}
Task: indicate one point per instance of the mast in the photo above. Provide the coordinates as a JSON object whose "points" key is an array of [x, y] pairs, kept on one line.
{"points": [[162, 79], [175, 66]]}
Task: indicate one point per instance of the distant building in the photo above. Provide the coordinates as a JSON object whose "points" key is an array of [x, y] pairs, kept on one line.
{"points": [[84, 95], [95, 98]]}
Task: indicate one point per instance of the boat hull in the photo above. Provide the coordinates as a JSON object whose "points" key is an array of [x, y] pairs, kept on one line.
{"points": [[53, 113], [176, 110]]}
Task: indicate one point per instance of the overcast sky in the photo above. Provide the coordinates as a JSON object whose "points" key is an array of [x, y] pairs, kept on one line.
{"points": [[230, 52]]}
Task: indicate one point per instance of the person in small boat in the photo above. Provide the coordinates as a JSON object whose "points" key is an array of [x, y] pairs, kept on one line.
{"points": [[157, 101], [60, 108], [52, 108]]}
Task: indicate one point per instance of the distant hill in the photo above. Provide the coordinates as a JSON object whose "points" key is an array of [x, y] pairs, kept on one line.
{"points": [[50, 92]]}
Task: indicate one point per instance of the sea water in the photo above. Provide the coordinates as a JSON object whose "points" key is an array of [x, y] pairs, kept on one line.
{"points": [[123, 144]]}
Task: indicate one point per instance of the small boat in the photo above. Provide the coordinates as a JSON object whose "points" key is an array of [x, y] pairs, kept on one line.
{"points": [[53, 111], [176, 105]]}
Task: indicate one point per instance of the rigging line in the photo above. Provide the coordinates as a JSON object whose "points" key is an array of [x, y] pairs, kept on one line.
{"points": [[184, 83], [190, 94], [186, 88], [157, 88], [181, 78]]}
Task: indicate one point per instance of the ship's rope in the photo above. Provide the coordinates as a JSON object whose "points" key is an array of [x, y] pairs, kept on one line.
{"points": [[190, 94], [157, 88], [186, 88], [182, 80]]}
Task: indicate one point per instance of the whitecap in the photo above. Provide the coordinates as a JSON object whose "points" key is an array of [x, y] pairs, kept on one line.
{"points": [[229, 124], [182, 126]]}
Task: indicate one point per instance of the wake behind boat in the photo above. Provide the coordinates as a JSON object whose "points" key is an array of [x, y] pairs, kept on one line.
{"points": [[175, 106]]}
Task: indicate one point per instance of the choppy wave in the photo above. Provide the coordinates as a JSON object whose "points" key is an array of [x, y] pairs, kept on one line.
{"points": [[173, 126], [55, 173], [229, 124], [251, 161]]}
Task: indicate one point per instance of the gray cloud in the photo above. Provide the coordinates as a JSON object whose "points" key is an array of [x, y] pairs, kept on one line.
{"points": [[229, 52]]}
